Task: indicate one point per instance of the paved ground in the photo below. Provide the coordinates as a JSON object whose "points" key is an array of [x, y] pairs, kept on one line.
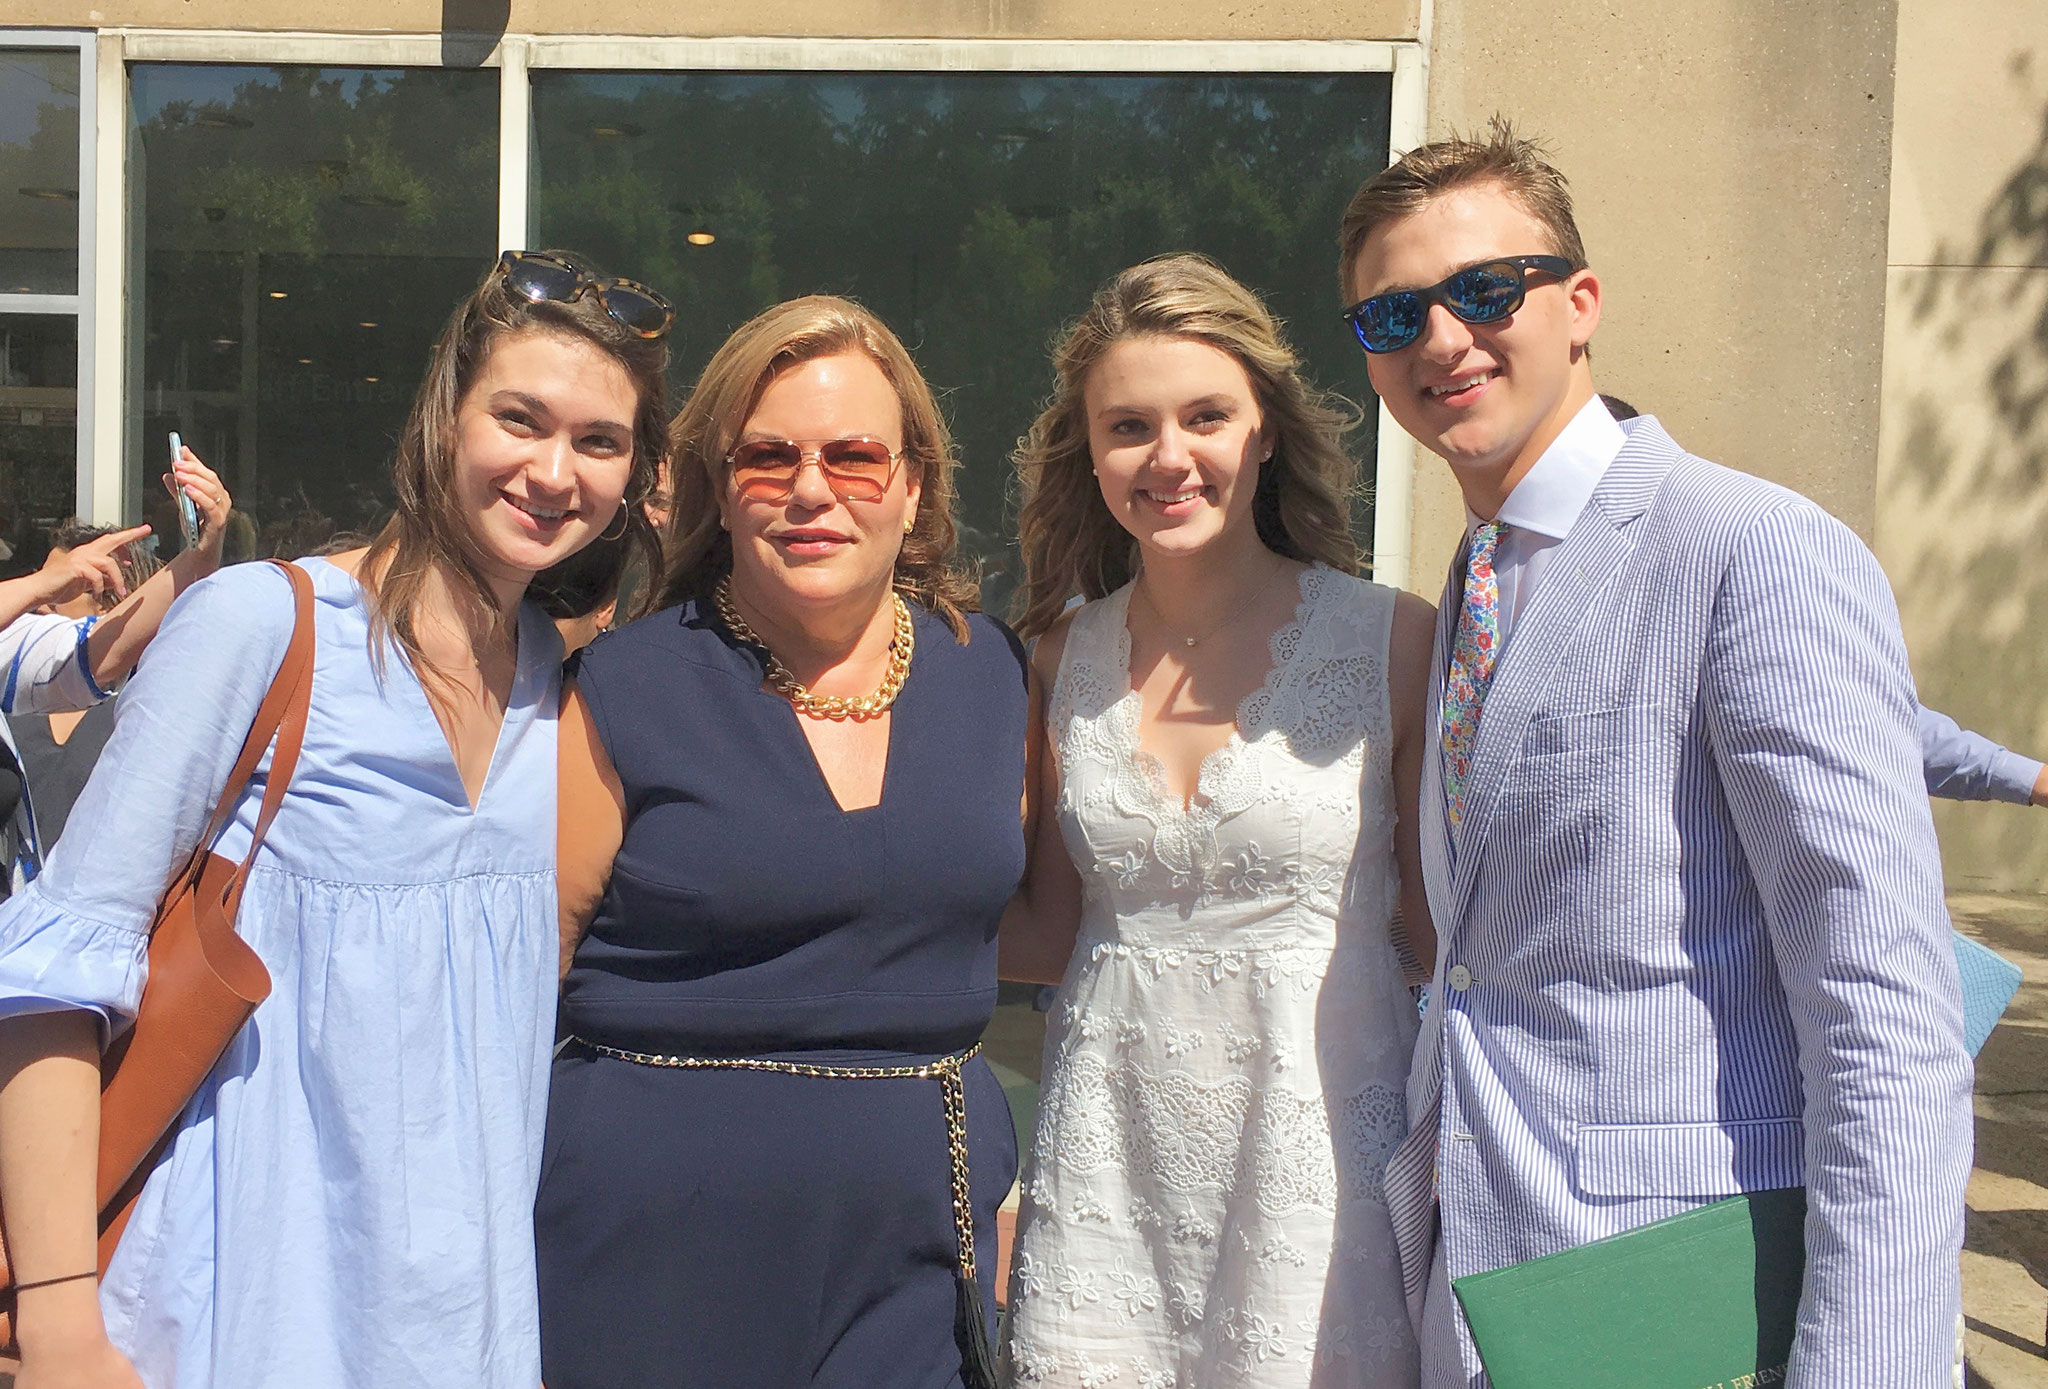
{"points": [[2005, 1254]]}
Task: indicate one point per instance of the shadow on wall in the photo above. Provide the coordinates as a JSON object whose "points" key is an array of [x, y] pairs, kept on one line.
{"points": [[470, 29], [1965, 510]]}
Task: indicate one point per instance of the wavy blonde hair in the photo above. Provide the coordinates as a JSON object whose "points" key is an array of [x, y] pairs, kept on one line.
{"points": [[1302, 508], [801, 330]]}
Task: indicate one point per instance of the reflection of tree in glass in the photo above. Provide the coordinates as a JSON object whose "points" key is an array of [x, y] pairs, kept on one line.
{"points": [[306, 231], [39, 190], [311, 160], [39, 236], [975, 212]]}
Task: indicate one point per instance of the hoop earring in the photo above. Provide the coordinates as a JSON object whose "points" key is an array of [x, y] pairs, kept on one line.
{"points": [[624, 522]]}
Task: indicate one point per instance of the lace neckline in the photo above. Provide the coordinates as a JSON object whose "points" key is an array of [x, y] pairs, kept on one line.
{"points": [[1218, 768]]}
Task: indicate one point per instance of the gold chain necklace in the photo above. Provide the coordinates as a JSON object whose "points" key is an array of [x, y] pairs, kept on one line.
{"points": [[817, 706]]}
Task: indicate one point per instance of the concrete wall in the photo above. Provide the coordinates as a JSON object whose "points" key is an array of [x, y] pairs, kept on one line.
{"points": [[1964, 453], [1730, 156], [1738, 179], [1730, 161], [1052, 19]]}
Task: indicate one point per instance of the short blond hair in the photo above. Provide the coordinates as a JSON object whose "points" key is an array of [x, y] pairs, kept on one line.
{"points": [[1501, 156], [800, 330]]}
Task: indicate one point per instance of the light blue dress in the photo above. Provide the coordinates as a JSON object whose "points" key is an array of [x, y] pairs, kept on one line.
{"points": [[349, 1200]]}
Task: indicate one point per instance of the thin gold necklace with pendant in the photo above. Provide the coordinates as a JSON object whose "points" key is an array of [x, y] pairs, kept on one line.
{"points": [[1242, 608], [856, 707]]}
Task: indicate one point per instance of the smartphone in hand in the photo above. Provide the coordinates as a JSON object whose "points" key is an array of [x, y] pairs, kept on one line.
{"points": [[188, 514]]}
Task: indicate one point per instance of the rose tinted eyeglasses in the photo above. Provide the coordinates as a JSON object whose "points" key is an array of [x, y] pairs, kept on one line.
{"points": [[857, 469]]}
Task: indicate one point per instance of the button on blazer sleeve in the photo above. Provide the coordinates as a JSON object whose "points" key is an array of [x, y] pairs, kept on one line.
{"points": [[1810, 714]]}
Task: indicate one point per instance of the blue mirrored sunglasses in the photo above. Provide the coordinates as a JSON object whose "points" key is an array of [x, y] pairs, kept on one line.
{"points": [[1483, 293]]}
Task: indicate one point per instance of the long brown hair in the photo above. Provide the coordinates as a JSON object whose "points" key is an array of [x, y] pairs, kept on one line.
{"points": [[796, 331], [427, 532], [1302, 507]]}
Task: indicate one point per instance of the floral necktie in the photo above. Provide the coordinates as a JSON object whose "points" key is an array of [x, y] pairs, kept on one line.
{"points": [[1473, 653], [1410, 1178]]}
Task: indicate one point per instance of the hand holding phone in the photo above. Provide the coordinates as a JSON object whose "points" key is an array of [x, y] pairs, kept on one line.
{"points": [[188, 514]]}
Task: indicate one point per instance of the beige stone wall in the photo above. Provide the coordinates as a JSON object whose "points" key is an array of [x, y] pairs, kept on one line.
{"points": [[1730, 161], [1051, 19], [1964, 454]]}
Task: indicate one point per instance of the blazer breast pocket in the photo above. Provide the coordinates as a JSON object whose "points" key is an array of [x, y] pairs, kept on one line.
{"points": [[1717, 1158], [1626, 725]]}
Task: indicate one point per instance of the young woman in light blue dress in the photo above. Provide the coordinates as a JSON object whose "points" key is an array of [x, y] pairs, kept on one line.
{"points": [[348, 1200]]}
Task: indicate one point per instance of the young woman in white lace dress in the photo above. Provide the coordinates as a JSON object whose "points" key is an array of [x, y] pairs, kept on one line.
{"points": [[1225, 880]]}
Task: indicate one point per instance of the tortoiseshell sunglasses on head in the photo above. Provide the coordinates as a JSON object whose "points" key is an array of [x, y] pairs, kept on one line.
{"points": [[540, 277]]}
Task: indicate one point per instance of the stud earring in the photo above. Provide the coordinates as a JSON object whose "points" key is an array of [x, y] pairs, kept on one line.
{"points": [[910, 525]]}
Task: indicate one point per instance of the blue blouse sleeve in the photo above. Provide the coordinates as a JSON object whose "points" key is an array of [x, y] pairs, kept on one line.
{"points": [[77, 937]]}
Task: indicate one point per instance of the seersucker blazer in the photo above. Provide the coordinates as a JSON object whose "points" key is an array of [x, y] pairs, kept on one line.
{"points": [[1692, 940]]}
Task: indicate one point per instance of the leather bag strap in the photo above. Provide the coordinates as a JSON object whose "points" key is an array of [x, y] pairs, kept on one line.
{"points": [[282, 716]]}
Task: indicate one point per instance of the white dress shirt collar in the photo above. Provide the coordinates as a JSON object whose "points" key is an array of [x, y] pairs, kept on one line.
{"points": [[1545, 505], [1551, 495]]}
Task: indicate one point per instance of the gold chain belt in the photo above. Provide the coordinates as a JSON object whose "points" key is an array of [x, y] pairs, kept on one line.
{"points": [[946, 1068]]}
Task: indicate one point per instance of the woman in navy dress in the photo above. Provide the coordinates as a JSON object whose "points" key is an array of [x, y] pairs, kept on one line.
{"points": [[791, 831]]}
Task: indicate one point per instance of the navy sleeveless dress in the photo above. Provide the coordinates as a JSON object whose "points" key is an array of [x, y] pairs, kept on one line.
{"points": [[748, 1230]]}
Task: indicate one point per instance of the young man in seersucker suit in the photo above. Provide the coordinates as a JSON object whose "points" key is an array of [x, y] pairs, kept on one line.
{"points": [[1677, 846]]}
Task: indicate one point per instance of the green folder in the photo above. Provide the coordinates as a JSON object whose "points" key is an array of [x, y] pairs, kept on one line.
{"points": [[1704, 1300]]}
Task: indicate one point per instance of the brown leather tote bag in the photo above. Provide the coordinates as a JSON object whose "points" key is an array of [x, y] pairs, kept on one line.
{"points": [[204, 981]]}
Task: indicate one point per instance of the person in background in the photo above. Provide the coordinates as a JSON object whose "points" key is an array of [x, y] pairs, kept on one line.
{"points": [[75, 628], [581, 595], [1688, 899], [348, 1200], [1965, 766], [58, 749], [1959, 765]]}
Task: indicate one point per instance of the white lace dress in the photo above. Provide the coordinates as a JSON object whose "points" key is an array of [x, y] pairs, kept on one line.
{"points": [[1225, 1063]]}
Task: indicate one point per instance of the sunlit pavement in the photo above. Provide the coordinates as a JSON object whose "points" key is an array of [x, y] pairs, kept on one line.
{"points": [[2005, 1253], [1015, 1037]]}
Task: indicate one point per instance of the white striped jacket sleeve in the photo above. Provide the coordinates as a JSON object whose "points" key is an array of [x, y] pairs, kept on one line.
{"points": [[1812, 730]]}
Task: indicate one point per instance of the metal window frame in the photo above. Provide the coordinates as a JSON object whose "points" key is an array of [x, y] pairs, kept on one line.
{"points": [[83, 304], [518, 55]]}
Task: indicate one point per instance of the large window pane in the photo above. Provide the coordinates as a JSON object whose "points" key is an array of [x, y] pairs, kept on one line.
{"points": [[303, 234], [38, 171], [38, 433], [974, 212]]}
